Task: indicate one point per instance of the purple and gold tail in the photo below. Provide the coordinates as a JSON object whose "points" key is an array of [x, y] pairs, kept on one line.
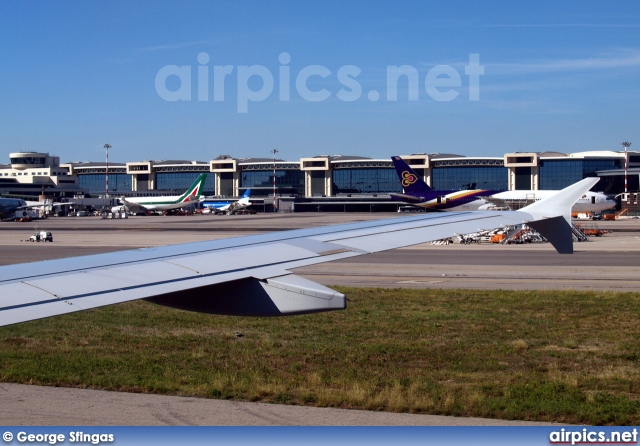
{"points": [[411, 182]]}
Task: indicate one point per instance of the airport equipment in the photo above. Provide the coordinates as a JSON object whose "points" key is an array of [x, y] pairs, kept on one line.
{"points": [[41, 236]]}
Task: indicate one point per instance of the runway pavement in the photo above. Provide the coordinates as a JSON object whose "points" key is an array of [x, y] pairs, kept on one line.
{"points": [[610, 262], [24, 405]]}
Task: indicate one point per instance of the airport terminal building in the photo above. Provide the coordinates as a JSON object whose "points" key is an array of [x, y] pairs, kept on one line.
{"points": [[319, 180]]}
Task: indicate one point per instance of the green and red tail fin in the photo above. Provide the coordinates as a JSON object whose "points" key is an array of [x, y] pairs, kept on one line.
{"points": [[195, 191]]}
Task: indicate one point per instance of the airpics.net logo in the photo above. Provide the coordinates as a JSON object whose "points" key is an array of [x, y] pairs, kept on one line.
{"points": [[312, 83]]}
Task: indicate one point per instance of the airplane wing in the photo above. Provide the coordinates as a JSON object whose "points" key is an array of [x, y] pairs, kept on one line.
{"points": [[131, 206], [232, 207], [237, 206], [221, 209], [28, 206], [40, 205], [497, 202], [248, 276], [406, 198]]}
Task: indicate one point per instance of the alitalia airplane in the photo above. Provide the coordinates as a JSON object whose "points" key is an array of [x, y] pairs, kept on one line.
{"points": [[164, 203], [252, 275], [418, 193]]}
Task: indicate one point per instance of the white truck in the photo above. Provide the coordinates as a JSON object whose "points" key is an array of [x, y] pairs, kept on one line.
{"points": [[41, 236]]}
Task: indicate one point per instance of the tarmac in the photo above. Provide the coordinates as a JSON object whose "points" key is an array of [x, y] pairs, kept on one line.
{"points": [[610, 262]]}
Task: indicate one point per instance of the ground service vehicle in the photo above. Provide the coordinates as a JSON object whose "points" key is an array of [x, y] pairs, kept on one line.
{"points": [[41, 236]]}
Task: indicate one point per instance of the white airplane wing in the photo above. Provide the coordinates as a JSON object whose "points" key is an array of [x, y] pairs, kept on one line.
{"points": [[132, 206], [247, 276], [497, 202]]}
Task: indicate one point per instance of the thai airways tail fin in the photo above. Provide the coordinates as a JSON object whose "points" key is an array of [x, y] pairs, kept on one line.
{"points": [[553, 215], [195, 191], [411, 182]]}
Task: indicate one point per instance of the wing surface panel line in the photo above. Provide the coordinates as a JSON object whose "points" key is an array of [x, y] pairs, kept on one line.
{"points": [[182, 266], [41, 289]]}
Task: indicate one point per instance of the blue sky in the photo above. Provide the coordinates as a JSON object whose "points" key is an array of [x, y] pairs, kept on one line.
{"points": [[561, 76]]}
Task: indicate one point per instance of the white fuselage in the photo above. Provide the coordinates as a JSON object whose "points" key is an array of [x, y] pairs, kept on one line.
{"points": [[164, 203], [589, 202], [228, 207]]}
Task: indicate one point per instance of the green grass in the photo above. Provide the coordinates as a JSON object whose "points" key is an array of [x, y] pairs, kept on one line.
{"points": [[555, 356]]}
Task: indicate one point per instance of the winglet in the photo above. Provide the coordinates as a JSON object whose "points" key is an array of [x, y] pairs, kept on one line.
{"points": [[553, 214], [560, 203]]}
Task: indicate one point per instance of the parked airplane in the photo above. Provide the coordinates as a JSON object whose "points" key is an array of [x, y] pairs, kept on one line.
{"points": [[418, 193], [12, 208], [164, 203], [9, 206], [250, 276], [228, 207]]}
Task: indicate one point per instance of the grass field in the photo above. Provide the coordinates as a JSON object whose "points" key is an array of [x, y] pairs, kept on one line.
{"points": [[571, 357]]}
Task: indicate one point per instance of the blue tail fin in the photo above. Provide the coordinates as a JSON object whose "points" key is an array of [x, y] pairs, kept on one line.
{"points": [[246, 193], [411, 182]]}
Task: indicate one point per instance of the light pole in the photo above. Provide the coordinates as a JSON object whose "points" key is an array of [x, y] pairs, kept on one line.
{"points": [[106, 177], [274, 151], [626, 145]]}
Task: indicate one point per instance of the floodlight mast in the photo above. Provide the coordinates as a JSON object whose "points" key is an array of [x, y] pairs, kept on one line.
{"points": [[274, 151], [626, 145], [106, 176]]}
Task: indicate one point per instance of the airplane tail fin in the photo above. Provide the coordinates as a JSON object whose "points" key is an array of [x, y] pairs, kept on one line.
{"points": [[411, 182], [246, 194], [553, 214], [195, 191]]}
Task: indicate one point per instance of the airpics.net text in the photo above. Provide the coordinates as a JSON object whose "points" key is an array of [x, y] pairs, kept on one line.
{"points": [[312, 83]]}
